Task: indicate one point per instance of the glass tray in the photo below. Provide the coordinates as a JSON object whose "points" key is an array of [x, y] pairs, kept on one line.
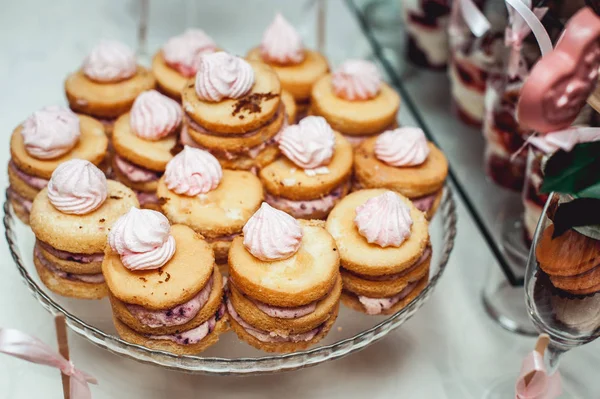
{"points": [[351, 332]]}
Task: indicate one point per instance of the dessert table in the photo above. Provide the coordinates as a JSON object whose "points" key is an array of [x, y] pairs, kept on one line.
{"points": [[449, 349]]}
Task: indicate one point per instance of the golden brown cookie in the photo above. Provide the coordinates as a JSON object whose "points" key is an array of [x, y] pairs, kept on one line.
{"points": [[170, 346], [237, 115], [146, 187], [256, 159], [69, 288], [283, 178], [360, 257], [284, 347], [298, 79], [152, 155], [585, 283], [92, 146], [215, 300], [351, 300], [19, 185], [290, 106], [569, 254], [236, 143], [176, 282], [410, 181], [251, 314], [354, 117], [106, 100], [81, 234], [169, 81], [306, 276], [220, 212], [20, 211]]}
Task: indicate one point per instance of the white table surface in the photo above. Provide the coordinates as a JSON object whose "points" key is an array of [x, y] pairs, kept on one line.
{"points": [[450, 349]]}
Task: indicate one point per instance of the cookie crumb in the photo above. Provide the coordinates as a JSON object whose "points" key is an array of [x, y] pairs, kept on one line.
{"points": [[335, 249], [168, 277], [81, 227], [102, 220], [252, 103], [160, 271], [162, 201], [115, 197], [143, 279], [176, 149]]}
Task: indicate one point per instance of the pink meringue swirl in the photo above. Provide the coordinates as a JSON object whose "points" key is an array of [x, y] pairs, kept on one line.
{"points": [[309, 144], [110, 61], [356, 80], [154, 116], [77, 187], [221, 75], [281, 43], [271, 234], [50, 132], [183, 52], [405, 146], [192, 172], [384, 220], [143, 239]]}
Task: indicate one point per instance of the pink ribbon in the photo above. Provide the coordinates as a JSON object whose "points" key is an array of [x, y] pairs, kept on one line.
{"points": [[473, 17], [517, 31], [564, 139], [541, 385], [18, 344]]}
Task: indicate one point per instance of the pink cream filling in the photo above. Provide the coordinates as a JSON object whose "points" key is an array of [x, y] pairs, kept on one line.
{"points": [[375, 306], [145, 198], [286, 313], [71, 256], [176, 316], [136, 173], [194, 335], [36, 182], [266, 336], [425, 203], [305, 208], [389, 277], [13, 195], [85, 278]]}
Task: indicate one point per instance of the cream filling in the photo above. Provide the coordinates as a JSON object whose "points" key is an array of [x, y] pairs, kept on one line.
{"points": [[85, 278], [470, 100], [19, 199], [374, 306], [195, 335], [305, 208]]}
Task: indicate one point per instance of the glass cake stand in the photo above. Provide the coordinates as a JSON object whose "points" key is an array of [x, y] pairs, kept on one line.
{"points": [[230, 356]]}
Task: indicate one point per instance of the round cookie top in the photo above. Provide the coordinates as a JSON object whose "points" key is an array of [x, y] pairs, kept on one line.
{"points": [[306, 276], [291, 110], [83, 234], [184, 275], [355, 117], [285, 179], [169, 80], [297, 79], [91, 146], [106, 99], [411, 181], [237, 115], [358, 255], [220, 212], [153, 155]]}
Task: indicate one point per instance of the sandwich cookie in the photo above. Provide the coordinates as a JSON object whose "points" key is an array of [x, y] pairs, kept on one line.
{"points": [[284, 281], [195, 191], [233, 109], [385, 252], [107, 83], [165, 291], [144, 140], [355, 101], [46, 139], [403, 160], [298, 68], [71, 219], [313, 173], [178, 61]]}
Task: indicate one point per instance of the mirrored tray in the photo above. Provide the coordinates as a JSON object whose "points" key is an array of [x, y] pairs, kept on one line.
{"points": [[351, 332]]}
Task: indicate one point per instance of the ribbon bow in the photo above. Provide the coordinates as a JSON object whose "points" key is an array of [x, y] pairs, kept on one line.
{"points": [[523, 21], [18, 344], [533, 381], [564, 139], [473, 17]]}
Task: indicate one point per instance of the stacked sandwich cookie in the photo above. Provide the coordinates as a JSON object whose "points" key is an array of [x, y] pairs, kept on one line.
{"points": [[355, 101], [71, 219], [385, 252], [233, 109], [313, 173], [165, 290], [285, 282], [404, 161], [297, 67], [46, 139], [197, 192], [144, 141]]}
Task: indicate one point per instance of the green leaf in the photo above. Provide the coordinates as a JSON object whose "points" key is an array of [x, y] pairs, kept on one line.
{"points": [[574, 171], [592, 191]]}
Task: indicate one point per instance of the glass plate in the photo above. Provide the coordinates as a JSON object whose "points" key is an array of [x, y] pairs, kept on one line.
{"points": [[351, 332]]}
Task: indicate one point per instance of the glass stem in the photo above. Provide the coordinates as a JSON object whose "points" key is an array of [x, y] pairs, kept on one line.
{"points": [[552, 357], [142, 34]]}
